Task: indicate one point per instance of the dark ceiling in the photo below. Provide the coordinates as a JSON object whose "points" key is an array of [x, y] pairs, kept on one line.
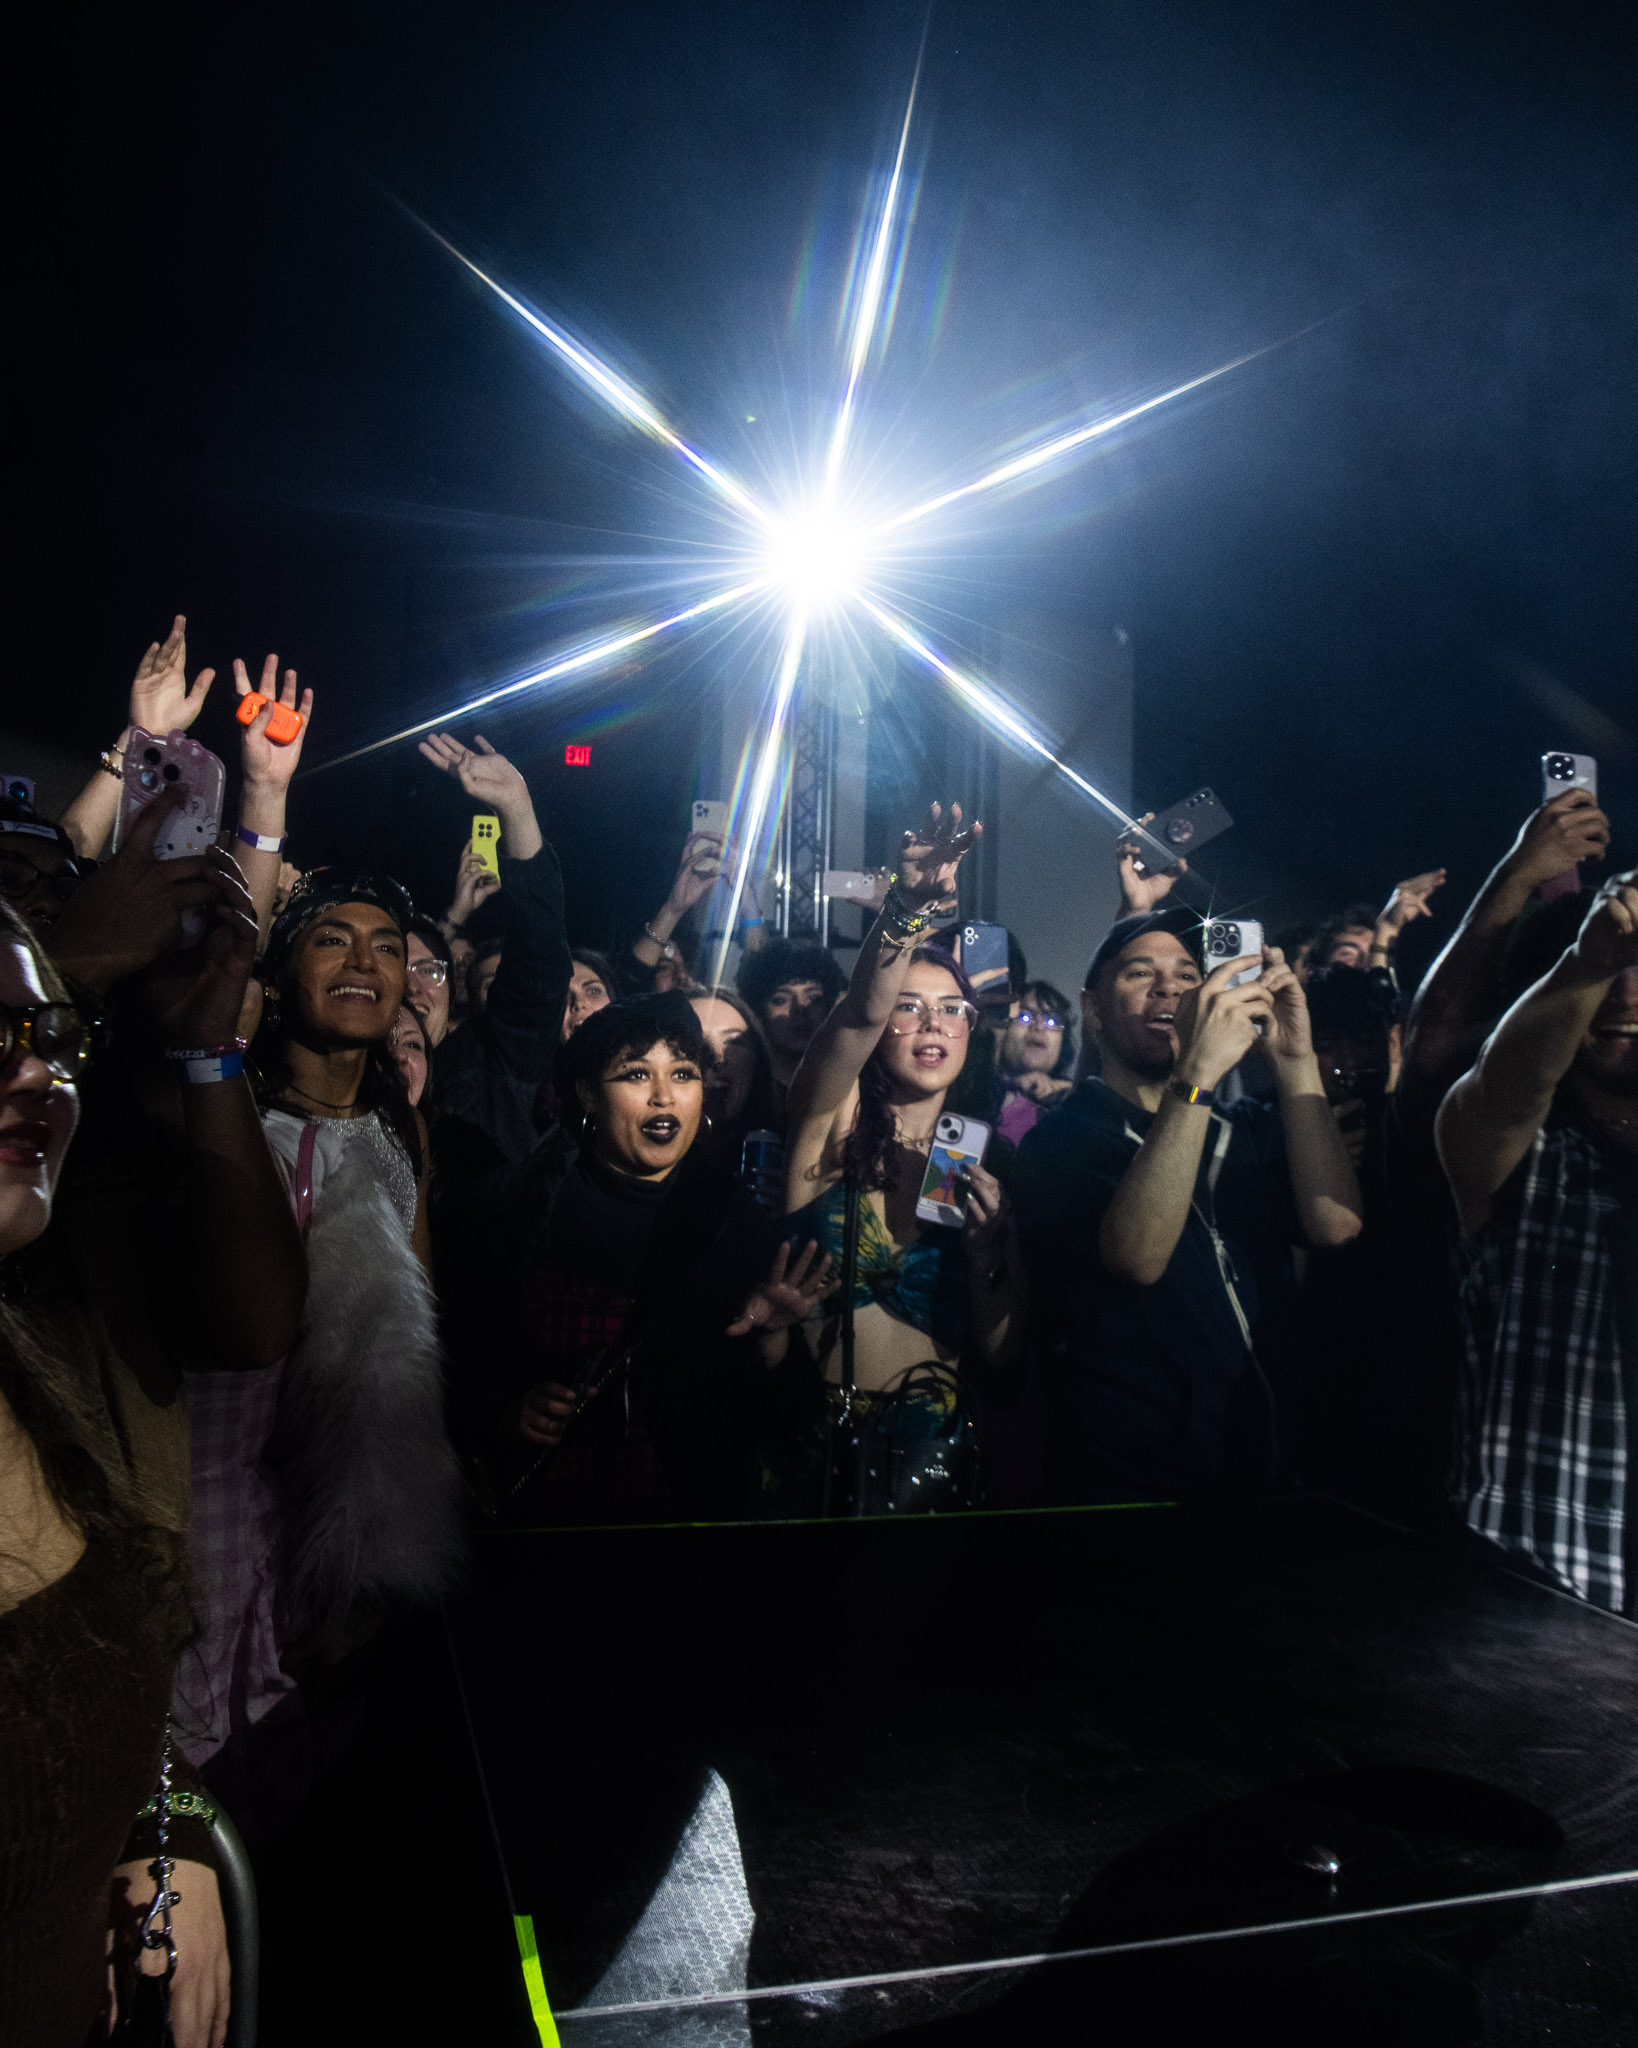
{"points": [[1368, 577]]}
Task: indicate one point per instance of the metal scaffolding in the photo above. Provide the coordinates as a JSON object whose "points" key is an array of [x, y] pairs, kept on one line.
{"points": [[806, 822]]}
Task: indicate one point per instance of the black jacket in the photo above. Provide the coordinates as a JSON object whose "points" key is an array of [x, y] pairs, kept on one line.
{"points": [[488, 1073], [1158, 1391]]}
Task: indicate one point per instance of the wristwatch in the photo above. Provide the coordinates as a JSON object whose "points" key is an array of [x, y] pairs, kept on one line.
{"points": [[1205, 1097]]}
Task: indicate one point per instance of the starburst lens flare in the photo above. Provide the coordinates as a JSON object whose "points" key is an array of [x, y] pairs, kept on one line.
{"points": [[799, 546], [815, 559]]}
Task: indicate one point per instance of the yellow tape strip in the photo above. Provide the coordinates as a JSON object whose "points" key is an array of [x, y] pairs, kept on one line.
{"points": [[533, 1982]]}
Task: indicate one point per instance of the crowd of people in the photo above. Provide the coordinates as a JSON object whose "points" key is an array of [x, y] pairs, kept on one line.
{"points": [[336, 1233]]}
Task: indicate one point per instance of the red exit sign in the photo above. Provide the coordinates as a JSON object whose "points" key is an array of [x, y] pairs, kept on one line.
{"points": [[577, 757]]}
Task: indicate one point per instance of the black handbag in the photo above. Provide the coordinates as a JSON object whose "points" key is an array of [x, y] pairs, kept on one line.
{"points": [[875, 1463]]}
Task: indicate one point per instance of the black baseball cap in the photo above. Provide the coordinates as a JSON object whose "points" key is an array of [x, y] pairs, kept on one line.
{"points": [[1184, 925]]}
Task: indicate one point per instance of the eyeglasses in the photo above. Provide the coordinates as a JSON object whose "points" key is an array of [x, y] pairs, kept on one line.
{"points": [[20, 877], [1044, 1018], [55, 1033], [952, 1019], [435, 972]]}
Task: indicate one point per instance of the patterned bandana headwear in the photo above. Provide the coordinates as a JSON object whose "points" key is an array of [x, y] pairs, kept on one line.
{"points": [[322, 889]]}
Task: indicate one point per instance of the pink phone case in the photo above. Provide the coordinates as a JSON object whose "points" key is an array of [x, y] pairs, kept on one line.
{"points": [[153, 765]]}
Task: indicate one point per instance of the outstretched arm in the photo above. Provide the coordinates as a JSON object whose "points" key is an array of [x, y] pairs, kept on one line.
{"points": [[1489, 1120], [704, 857], [267, 771], [247, 1270], [1458, 999], [160, 702], [835, 1058], [523, 1019]]}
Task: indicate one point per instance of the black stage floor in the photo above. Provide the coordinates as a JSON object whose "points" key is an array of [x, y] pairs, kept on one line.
{"points": [[940, 1747]]}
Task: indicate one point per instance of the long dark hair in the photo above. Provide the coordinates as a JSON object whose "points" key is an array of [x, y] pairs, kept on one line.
{"points": [[868, 1154], [381, 1088], [762, 1109], [69, 1430]]}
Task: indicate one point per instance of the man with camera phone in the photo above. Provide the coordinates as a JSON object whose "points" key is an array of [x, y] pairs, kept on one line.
{"points": [[1156, 1221]]}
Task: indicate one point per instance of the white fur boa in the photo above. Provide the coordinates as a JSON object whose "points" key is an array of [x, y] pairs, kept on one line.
{"points": [[370, 1488]]}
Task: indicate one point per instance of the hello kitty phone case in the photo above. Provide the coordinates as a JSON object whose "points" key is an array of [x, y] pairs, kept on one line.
{"points": [[153, 766]]}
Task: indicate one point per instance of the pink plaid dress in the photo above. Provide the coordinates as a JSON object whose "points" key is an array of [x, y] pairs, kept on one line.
{"points": [[230, 1676]]}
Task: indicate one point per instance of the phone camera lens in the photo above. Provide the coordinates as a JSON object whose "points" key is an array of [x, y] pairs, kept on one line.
{"points": [[148, 779], [150, 755], [1561, 767], [171, 771]]}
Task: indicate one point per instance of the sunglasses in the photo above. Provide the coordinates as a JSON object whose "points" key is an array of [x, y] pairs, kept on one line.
{"points": [[55, 1033]]}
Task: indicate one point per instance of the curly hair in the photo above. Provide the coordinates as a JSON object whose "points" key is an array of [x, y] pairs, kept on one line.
{"points": [[868, 1154], [631, 1025]]}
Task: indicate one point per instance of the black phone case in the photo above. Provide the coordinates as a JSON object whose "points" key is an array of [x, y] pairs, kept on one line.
{"points": [[1176, 833]]}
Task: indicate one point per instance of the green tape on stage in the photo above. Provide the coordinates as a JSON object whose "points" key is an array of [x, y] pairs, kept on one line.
{"points": [[534, 1982]]}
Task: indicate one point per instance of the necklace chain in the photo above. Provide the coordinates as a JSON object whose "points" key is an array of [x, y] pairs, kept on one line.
{"points": [[341, 1108]]}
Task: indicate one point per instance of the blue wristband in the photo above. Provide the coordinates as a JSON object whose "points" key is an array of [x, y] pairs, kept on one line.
{"points": [[223, 1066]]}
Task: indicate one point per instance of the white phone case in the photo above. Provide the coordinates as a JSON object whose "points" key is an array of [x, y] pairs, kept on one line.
{"points": [[958, 1143], [1562, 770]]}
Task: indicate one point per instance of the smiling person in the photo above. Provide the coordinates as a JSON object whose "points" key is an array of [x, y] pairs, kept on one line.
{"points": [[1157, 1221], [649, 1337], [1539, 1141], [930, 1302], [93, 1607], [325, 1490]]}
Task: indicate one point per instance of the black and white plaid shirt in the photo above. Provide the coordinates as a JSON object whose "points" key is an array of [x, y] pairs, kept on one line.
{"points": [[1541, 1438]]}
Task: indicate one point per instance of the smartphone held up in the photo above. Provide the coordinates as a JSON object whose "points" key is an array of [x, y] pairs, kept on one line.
{"points": [[1231, 939], [958, 1146], [1561, 771], [153, 768]]}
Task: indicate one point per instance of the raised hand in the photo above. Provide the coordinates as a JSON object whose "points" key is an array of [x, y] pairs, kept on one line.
{"points": [[490, 780], [929, 858], [487, 777], [705, 856], [161, 700], [474, 884], [265, 765], [1218, 1025], [1558, 837], [1409, 901], [789, 1295], [1288, 1033], [1141, 893], [1607, 944]]}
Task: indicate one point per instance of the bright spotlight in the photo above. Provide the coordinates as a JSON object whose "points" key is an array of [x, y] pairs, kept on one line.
{"points": [[813, 558]]}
